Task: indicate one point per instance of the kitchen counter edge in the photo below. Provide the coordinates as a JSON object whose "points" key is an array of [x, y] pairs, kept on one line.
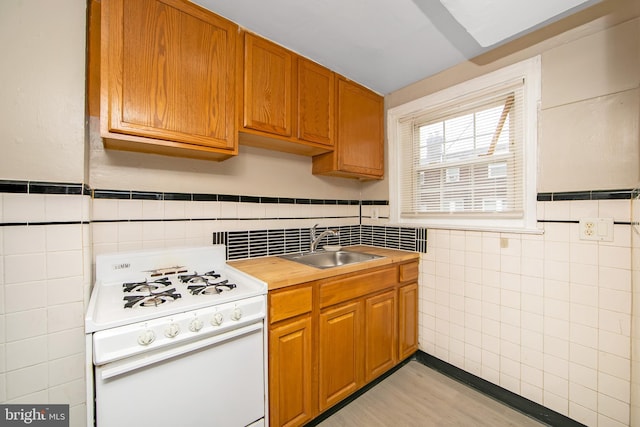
{"points": [[279, 272]]}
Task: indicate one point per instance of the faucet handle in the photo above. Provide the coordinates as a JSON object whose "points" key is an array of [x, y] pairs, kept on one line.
{"points": [[313, 230]]}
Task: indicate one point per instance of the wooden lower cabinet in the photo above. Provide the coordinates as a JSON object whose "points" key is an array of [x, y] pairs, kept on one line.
{"points": [[380, 334], [290, 372], [340, 353], [408, 320], [329, 338]]}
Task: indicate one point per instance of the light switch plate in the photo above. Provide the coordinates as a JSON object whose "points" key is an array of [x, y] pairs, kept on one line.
{"points": [[599, 229]]}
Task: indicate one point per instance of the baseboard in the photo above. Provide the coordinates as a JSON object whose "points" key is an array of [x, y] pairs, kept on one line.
{"points": [[517, 402]]}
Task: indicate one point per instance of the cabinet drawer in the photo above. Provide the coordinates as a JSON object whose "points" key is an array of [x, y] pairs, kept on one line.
{"points": [[352, 287], [409, 272], [289, 303]]}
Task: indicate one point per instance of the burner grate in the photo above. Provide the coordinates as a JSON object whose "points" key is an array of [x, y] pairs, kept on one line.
{"points": [[199, 278], [152, 299], [211, 288], [146, 286]]}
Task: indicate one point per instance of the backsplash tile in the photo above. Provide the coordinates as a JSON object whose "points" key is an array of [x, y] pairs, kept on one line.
{"points": [[257, 243]]}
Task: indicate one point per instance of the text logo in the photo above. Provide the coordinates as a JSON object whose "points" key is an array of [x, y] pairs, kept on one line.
{"points": [[34, 415]]}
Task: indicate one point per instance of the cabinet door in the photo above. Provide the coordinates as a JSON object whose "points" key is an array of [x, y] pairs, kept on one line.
{"points": [[168, 73], [408, 318], [290, 373], [360, 133], [315, 102], [268, 86], [359, 144], [380, 334], [340, 366]]}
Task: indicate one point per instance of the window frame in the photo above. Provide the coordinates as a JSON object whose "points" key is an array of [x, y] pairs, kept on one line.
{"points": [[530, 71]]}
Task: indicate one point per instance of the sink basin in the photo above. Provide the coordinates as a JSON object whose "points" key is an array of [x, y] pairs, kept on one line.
{"points": [[330, 259]]}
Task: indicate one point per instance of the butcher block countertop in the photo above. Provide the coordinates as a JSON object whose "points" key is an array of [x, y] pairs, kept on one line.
{"points": [[279, 273]]}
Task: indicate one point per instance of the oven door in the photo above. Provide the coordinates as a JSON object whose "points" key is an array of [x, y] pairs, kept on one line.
{"points": [[218, 381]]}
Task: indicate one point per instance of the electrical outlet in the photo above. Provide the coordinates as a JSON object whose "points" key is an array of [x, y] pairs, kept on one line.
{"points": [[589, 228], [599, 229]]}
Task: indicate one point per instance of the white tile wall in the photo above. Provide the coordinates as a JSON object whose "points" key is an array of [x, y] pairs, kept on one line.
{"points": [[554, 312], [43, 282], [617, 277], [545, 316], [132, 235]]}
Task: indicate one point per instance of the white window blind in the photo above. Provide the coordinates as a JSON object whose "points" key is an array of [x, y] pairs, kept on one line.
{"points": [[465, 157]]}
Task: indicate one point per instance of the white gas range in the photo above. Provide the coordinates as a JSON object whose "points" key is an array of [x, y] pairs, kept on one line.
{"points": [[178, 322]]}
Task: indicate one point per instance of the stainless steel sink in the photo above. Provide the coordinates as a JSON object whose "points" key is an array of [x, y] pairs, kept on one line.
{"points": [[328, 259]]}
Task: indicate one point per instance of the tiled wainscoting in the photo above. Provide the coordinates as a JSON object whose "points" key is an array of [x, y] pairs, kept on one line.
{"points": [[51, 232], [45, 276], [546, 316]]}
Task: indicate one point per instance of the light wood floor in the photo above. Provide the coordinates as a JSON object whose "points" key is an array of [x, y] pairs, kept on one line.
{"points": [[416, 395]]}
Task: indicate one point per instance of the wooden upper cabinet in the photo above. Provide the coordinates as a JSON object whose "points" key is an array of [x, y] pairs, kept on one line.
{"points": [[315, 102], [359, 146], [288, 101], [268, 84], [168, 78]]}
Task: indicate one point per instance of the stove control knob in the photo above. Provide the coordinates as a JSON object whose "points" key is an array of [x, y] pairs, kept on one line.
{"points": [[146, 337], [172, 330], [195, 325], [217, 319], [237, 314]]}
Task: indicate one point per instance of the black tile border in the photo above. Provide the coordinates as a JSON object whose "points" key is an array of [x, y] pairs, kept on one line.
{"points": [[146, 195], [42, 187], [34, 223], [228, 198], [112, 194], [269, 200], [587, 195], [185, 197], [7, 186], [524, 405], [38, 187], [205, 197], [249, 199], [375, 203], [234, 198], [55, 188]]}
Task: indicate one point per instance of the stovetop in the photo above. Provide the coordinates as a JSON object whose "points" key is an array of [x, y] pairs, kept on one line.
{"points": [[139, 286]]}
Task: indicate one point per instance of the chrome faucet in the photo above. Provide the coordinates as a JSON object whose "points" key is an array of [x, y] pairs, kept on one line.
{"points": [[316, 239]]}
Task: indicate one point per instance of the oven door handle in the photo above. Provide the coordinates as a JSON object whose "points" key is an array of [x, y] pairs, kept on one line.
{"points": [[145, 360]]}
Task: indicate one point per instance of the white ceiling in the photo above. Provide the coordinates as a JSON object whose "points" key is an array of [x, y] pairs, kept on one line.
{"points": [[388, 44]]}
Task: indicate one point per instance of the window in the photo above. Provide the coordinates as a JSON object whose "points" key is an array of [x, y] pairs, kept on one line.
{"points": [[465, 157]]}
